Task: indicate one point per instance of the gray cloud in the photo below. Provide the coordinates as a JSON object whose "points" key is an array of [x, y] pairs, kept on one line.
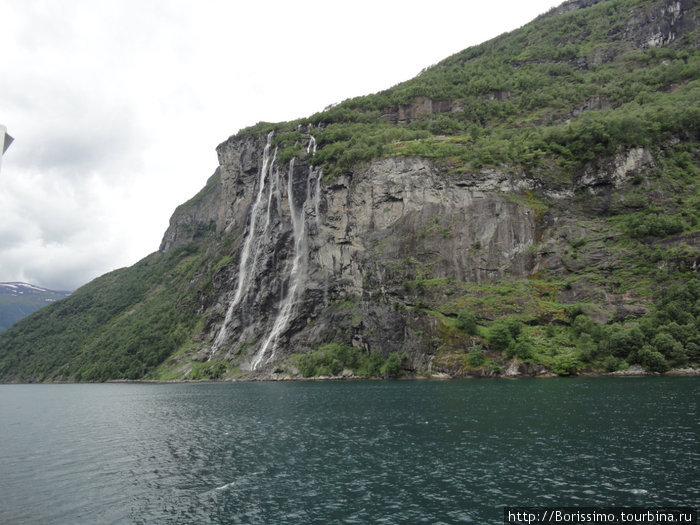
{"points": [[69, 131]]}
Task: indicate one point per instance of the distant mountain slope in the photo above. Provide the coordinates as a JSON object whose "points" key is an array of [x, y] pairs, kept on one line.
{"points": [[529, 205], [18, 300]]}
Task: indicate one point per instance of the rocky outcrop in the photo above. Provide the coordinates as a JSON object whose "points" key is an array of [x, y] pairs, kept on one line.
{"points": [[420, 108], [571, 5], [592, 104], [196, 218], [366, 234], [616, 171], [516, 368], [394, 220], [649, 26], [661, 24]]}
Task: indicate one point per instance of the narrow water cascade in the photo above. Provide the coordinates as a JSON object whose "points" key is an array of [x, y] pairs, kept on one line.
{"points": [[317, 195], [317, 199], [264, 231], [253, 241], [312, 145], [270, 195], [300, 261]]}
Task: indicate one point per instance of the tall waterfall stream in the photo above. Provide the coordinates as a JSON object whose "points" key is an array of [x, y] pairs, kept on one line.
{"points": [[258, 237]]}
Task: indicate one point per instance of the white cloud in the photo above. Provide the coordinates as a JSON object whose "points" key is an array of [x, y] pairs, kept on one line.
{"points": [[116, 106]]}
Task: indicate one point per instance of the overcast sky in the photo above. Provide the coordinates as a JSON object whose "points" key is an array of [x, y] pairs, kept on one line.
{"points": [[116, 106]]}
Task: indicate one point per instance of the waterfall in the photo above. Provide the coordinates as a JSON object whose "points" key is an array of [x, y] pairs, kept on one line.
{"points": [[300, 262], [317, 196], [252, 243], [262, 234], [312, 144], [317, 200]]}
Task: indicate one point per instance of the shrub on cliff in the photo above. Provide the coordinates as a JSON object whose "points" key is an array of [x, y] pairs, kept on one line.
{"points": [[612, 363], [522, 348], [621, 341], [370, 365], [476, 356], [667, 346], [329, 359], [466, 322], [499, 336], [585, 325], [654, 225]]}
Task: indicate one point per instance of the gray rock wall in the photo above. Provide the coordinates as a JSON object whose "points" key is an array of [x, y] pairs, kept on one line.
{"points": [[391, 221]]}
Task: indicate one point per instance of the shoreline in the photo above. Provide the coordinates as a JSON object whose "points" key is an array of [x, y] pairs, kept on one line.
{"points": [[676, 372]]}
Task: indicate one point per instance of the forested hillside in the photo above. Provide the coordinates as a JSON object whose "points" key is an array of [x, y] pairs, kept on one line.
{"points": [[18, 300]]}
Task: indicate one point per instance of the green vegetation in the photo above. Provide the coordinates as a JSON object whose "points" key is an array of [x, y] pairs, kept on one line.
{"points": [[120, 326], [476, 356], [512, 99], [15, 306], [466, 322], [564, 338], [332, 358], [653, 225], [209, 371], [665, 338]]}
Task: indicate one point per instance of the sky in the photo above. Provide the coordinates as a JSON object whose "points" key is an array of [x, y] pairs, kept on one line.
{"points": [[117, 106]]}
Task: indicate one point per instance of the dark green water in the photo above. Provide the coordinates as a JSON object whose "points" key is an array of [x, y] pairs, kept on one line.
{"points": [[343, 452]]}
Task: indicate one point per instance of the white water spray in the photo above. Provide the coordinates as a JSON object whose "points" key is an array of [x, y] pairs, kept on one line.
{"points": [[261, 233], [298, 272], [317, 199], [317, 194], [312, 144], [251, 244]]}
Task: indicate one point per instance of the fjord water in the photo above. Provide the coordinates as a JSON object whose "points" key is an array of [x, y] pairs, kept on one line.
{"points": [[343, 452]]}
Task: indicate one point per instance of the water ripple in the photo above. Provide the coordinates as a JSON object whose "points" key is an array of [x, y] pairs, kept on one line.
{"points": [[357, 452]]}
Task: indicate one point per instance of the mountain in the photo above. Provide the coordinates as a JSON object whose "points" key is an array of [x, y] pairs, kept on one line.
{"points": [[526, 206], [18, 300]]}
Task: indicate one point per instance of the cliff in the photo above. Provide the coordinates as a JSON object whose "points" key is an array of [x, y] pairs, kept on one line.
{"points": [[364, 235], [525, 206]]}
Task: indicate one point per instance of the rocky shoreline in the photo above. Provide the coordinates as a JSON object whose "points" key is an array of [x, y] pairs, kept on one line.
{"points": [[539, 372], [545, 373], [515, 370]]}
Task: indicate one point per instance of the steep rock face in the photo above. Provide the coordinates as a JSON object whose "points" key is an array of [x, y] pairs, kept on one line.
{"points": [[663, 24], [306, 261], [616, 172], [363, 235], [648, 26], [421, 107], [239, 165], [405, 208], [195, 218]]}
